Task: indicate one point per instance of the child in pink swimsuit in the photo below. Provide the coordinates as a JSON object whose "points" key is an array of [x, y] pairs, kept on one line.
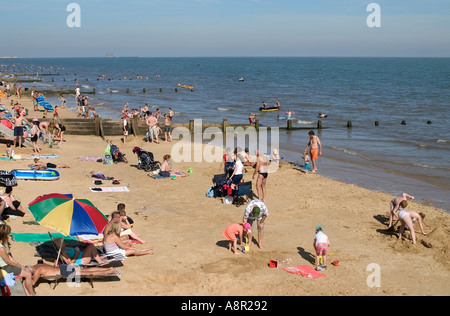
{"points": [[230, 233]]}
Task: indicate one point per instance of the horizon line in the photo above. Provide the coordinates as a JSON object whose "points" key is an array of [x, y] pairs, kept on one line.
{"points": [[112, 57]]}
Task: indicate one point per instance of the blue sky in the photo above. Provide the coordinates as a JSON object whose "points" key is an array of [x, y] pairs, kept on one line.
{"points": [[225, 28]]}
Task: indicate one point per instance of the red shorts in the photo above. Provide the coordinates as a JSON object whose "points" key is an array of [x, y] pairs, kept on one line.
{"points": [[314, 153]]}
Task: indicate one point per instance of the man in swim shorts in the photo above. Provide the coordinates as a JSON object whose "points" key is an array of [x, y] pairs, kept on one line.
{"points": [[19, 122], [315, 149]]}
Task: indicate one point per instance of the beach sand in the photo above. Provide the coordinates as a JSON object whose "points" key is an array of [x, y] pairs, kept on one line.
{"points": [[191, 256]]}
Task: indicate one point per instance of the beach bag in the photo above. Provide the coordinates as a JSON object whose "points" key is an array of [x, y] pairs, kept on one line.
{"points": [[211, 193], [4, 290], [108, 160], [7, 279], [108, 150], [228, 200], [7, 179]]}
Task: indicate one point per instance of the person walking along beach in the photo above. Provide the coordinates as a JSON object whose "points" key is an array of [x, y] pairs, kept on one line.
{"points": [[315, 146]]}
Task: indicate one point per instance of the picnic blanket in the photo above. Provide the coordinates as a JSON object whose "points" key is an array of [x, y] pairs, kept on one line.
{"points": [[158, 176], [305, 271], [110, 189]]}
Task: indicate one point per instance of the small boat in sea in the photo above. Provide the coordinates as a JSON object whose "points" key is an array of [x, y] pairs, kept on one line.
{"points": [[187, 87], [271, 109]]}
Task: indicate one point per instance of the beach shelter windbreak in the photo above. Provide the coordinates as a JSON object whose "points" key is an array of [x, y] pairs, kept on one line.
{"points": [[68, 215]]}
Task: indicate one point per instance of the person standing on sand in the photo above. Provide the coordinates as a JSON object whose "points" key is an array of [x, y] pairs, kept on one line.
{"points": [[396, 204], [167, 128], [19, 122], [262, 169], [152, 123], [315, 149], [256, 210]]}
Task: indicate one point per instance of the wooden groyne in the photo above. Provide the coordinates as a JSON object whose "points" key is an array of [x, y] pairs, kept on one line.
{"points": [[113, 127]]}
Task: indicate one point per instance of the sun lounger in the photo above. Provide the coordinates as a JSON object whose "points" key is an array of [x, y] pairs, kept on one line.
{"points": [[56, 279]]}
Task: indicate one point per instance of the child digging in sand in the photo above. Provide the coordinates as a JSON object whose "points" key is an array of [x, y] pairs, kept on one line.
{"points": [[230, 233], [321, 244]]}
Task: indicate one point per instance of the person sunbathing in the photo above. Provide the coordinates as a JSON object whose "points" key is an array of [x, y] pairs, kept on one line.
{"points": [[42, 166], [67, 270], [113, 245], [76, 257]]}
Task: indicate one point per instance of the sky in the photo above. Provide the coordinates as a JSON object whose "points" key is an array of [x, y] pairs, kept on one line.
{"points": [[222, 28]]}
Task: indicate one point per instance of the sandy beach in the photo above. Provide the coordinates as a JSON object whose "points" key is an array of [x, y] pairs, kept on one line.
{"points": [[185, 228]]}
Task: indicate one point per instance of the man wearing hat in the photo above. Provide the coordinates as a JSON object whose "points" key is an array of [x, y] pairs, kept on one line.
{"points": [[256, 210]]}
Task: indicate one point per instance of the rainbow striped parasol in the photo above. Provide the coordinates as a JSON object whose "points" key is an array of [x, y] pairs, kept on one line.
{"points": [[68, 215]]}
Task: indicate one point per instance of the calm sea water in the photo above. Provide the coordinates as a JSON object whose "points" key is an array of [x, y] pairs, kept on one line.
{"points": [[391, 157]]}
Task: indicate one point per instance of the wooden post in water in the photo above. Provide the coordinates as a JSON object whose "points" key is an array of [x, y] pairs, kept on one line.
{"points": [[319, 124], [377, 123], [191, 126], [403, 122], [349, 124], [257, 125], [224, 126], [289, 124], [97, 126]]}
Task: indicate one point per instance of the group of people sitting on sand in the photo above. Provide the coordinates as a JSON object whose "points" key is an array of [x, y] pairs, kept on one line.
{"points": [[118, 237]]}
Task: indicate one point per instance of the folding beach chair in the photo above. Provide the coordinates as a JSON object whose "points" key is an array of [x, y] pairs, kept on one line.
{"points": [[220, 179], [109, 258], [243, 194]]}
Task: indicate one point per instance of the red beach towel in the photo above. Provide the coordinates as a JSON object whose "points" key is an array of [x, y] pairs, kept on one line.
{"points": [[305, 271]]}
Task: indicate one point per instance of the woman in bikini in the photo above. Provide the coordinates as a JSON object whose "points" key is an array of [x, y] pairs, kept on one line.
{"points": [[262, 168]]}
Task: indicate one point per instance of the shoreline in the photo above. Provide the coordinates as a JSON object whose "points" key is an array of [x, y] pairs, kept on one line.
{"points": [[191, 257], [425, 190]]}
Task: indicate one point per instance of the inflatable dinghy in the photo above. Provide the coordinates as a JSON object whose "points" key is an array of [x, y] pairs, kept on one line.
{"points": [[28, 174]]}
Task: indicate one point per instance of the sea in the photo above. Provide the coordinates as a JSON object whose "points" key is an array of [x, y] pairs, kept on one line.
{"points": [[399, 108]]}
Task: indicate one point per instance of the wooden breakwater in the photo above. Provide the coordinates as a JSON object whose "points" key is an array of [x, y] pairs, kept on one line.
{"points": [[114, 127]]}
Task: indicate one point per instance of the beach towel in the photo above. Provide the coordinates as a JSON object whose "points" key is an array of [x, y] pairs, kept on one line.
{"points": [[15, 157], [29, 237], [110, 189], [305, 271], [91, 158], [158, 176], [45, 156]]}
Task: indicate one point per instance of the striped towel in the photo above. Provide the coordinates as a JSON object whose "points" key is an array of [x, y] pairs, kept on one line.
{"points": [[90, 158], [110, 189]]}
